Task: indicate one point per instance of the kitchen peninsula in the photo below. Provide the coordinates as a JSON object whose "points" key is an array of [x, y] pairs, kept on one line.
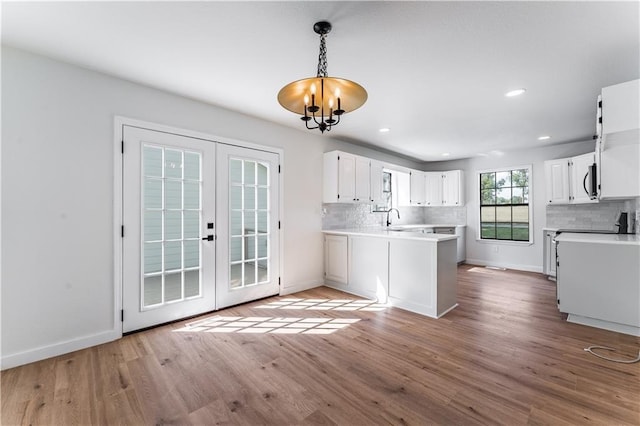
{"points": [[411, 270]]}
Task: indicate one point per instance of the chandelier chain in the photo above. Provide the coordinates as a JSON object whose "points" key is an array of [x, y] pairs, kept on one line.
{"points": [[322, 57]]}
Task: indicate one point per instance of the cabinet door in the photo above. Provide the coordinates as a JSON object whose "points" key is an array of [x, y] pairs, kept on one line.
{"points": [[433, 184], [335, 258], [346, 178], [557, 181], [362, 180], [417, 188], [375, 179], [369, 271], [402, 186], [451, 188], [579, 178], [620, 111]]}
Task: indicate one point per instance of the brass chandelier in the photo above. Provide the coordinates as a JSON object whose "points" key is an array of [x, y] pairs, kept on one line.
{"points": [[322, 100]]}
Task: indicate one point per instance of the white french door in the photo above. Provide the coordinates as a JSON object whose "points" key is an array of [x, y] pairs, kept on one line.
{"points": [[168, 214], [247, 229]]}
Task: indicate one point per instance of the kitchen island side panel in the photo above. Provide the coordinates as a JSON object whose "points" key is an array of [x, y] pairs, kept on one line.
{"points": [[447, 281]]}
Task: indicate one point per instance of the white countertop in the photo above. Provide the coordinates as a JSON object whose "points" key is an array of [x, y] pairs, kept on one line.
{"points": [[628, 239], [384, 233]]}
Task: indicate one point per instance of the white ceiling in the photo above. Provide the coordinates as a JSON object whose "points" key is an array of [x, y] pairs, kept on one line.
{"points": [[436, 72]]}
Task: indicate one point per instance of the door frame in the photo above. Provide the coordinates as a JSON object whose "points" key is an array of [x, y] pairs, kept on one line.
{"points": [[118, 206]]}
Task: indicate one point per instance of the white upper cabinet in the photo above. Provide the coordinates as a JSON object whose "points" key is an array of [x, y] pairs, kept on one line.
{"points": [[568, 180], [557, 181], [346, 178], [417, 188], [376, 182], [620, 111], [434, 188], [444, 188], [452, 193], [618, 148]]}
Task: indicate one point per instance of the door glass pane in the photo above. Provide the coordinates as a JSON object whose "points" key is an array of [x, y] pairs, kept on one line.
{"points": [[192, 165], [173, 163], [172, 221], [263, 246], [173, 287], [152, 294], [236, 223], [235, 171], [249, 222], [263, 225], [235, 278], [263, 198], [172, 225], [152, 161], [249, 198], [152, 225], [191, 283], [235, 197], [249, 173], [263, 271], [250, 248], [152, 193], [249, 273], [235, 252], [173, 194], [263, 174]]}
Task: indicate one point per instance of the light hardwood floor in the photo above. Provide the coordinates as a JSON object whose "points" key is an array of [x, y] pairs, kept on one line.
{"points": [[504, 356]]}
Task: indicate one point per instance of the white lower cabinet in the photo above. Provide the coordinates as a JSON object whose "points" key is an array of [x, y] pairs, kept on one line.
{"points": [[369, 268], [336, 258]]}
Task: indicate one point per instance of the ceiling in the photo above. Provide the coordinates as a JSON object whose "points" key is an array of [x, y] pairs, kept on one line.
{"points": [[436, 72]]}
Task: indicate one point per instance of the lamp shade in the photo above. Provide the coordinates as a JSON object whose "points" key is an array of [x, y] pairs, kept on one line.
{"points": [[326, 89]]}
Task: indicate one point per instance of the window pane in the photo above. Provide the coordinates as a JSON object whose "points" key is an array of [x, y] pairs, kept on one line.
{"points": [[172, 287], [520, 177], [386, 182], [249, 273], [250, 248], [263, 176], [487, 180], [503, 225], [503, 179], [173, 194], [263, 271], [152, 290], [488, 230], [503, 196], [192, 195], [192, 283], [152, 225], [263, 246], [191, 165], [520, 214], [488, 196], [152, 193], [152, 161], [526, 195], [172, 225], [487, 214], [249, 173], [172, 163], [521, 231], [517, 195]]}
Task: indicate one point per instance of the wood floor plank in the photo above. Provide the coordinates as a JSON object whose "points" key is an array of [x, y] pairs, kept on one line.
{"points": [[505, 355]]}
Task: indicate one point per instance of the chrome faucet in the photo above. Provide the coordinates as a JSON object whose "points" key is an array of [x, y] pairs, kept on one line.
{"points": [[389, 211]]}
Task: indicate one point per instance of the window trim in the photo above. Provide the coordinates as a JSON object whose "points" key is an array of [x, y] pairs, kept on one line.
{"points": [[477, 191]]}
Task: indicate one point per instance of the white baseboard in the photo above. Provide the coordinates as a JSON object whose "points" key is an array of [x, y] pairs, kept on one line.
{"points": [[301, 287], [517, 267], [44, 352]]}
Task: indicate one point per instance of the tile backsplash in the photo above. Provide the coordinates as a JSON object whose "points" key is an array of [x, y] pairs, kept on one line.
{"points": [[600, 216], [342, 216]]}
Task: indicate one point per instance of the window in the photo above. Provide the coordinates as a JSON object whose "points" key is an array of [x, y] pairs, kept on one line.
{"points": [[385, 205], [504, 204]]}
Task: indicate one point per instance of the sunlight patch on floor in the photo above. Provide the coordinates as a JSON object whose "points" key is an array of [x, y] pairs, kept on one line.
{"points": [[263, 325], [325, 305]]}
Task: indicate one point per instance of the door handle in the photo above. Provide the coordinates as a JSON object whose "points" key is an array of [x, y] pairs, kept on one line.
{"points": [[208, 238]]}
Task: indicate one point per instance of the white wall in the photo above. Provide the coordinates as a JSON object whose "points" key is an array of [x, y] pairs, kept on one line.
{"points": [[57, 197], [510, 255]]}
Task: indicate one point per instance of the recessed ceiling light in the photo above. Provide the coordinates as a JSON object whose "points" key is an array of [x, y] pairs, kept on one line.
{"points": [[445, 154], [384, 130], [515, 93], [544, 138]]}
